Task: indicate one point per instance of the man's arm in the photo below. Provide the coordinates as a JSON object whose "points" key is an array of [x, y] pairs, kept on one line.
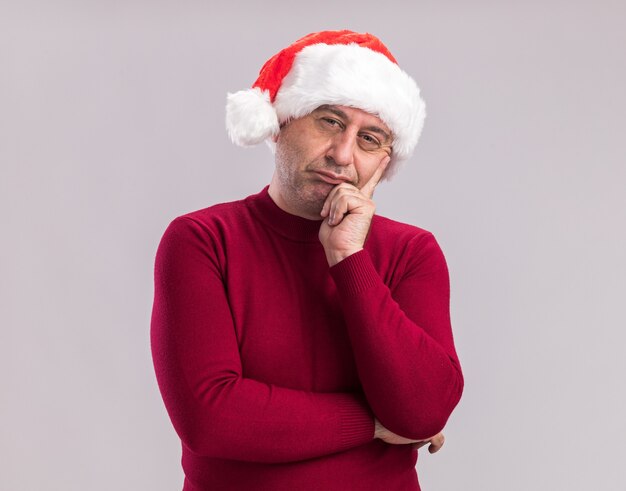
{"points": [[402, 344], [402, 341], [214, 409]]}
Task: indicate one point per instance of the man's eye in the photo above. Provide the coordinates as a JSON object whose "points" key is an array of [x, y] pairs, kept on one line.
{"points": [[370, 139], [331, 121]]}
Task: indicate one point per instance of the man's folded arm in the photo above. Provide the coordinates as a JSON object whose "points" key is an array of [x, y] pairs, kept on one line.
{"points": [[402, 340], [214, 409]]}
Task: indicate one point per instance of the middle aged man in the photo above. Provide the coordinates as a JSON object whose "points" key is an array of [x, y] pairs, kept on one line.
{"points": [[300, 341]]}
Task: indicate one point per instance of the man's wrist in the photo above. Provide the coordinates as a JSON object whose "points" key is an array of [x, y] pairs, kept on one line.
{"points": [[335, 257]]}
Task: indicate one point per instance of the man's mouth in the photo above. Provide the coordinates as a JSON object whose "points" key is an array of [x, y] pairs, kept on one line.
{"points": [[332, 178]]}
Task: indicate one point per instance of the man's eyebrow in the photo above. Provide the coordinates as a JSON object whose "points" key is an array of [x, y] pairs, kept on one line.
{"points": [[333, 109], [375, 129], [341, 114]]}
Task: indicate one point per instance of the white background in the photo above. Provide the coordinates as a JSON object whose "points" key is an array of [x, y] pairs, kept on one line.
{"points": [[112, 124]]}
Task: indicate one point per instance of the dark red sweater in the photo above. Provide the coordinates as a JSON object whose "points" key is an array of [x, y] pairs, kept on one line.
{"points": [[272, 365]]}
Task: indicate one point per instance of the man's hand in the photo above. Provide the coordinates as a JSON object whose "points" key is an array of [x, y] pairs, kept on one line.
{"points": [[436, 442], [347, 214]]}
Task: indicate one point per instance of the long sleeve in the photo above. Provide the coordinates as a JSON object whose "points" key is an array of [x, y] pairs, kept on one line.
{"points": [[402, 339], [215, 410]]}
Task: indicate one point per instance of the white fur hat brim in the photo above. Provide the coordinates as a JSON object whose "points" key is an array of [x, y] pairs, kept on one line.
{"points": [[336, 74]]}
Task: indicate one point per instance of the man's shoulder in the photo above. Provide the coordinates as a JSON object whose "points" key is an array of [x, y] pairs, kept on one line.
{"points": [[386, 229], [216, 211], [224, 213], [398, 242], [213, 221]]}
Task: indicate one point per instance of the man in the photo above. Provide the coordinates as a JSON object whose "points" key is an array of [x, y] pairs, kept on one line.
{"points": [[300, 341]]}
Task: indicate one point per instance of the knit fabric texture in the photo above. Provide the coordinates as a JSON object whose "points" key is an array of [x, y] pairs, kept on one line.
{"points": [[273, 365]]}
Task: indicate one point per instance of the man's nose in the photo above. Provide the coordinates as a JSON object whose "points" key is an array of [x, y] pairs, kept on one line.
{"points": [[343, 147]]}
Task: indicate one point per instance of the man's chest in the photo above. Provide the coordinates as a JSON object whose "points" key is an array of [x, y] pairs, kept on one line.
{"points": [[288, 319]]}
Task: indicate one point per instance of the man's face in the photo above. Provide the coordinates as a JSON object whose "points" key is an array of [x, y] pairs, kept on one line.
{"points": [[314, 153]]}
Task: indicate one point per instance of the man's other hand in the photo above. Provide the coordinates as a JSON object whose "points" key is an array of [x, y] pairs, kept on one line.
{"points": [[436, 441]]}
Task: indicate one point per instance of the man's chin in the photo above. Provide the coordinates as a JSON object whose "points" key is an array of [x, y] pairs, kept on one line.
{"points": [[315, 198]]}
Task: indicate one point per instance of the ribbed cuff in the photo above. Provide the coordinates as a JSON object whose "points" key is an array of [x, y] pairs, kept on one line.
{"points": [[356, 273], [356, 423]]}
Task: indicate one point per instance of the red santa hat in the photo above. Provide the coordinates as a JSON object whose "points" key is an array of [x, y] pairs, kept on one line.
{"points": [[329, 67]]}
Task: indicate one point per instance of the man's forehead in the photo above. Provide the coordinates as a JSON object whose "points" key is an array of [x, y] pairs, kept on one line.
{"points": [[372, 121]]}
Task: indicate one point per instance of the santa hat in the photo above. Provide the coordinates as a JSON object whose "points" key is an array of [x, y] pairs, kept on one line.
{"points": [[329, 67]]}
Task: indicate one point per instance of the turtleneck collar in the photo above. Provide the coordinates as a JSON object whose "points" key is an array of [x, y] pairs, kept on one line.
{"points": [[291, 226]]}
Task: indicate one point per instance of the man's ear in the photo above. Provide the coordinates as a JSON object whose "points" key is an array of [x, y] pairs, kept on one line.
{"points": [[280, 128]]}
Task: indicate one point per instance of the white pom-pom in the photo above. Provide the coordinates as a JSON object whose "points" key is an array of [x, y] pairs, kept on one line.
{"points": [[250, 117]]}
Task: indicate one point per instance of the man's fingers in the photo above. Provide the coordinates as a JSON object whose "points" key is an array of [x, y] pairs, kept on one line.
{"points": [[337, 210], [341, 205], [331, 196], [434, 448], [368, 188], [337, 198], [436, 443]]}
